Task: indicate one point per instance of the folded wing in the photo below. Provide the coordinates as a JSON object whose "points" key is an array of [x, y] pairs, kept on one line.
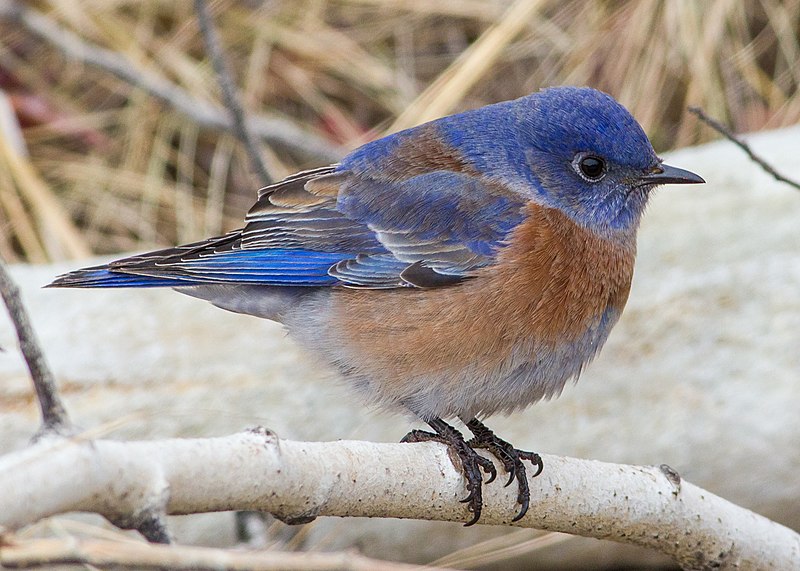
{"points": [[332, 226]]}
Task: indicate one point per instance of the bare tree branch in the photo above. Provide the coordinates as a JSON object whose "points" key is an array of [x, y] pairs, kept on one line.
{"points": [[646, 506], [16, 554], [242, 129], [148, 519], [731, 136], [54, 414], [272, 129]]}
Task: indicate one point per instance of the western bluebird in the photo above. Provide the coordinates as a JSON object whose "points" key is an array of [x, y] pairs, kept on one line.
{"points": [[467, 266]]}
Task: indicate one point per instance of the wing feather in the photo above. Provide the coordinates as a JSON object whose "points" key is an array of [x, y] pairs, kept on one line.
{"points": [[340, 226]]}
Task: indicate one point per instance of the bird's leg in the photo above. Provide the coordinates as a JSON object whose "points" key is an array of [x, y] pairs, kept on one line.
{"points": [[510, 457], [472, 462]]}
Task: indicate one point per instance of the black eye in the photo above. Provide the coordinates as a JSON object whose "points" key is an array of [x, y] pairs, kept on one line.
{"points": [[591, 167]]}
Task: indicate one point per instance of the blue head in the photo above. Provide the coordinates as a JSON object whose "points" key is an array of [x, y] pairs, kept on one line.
{"points": [[572, 148]]}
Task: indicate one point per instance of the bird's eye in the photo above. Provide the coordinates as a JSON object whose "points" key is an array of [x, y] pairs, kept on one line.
{"points": [[590, 167]]}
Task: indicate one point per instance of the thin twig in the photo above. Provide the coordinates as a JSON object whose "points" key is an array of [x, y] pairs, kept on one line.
{"points": [[229, 95], [45, 553], [54, 415], [731, 136], [277, 131]]}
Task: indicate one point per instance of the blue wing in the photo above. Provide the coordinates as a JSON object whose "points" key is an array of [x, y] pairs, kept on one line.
{"points": [[381, 219]]}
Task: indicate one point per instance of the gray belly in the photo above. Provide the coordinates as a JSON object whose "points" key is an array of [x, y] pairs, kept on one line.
{"points": [[532, 373]]}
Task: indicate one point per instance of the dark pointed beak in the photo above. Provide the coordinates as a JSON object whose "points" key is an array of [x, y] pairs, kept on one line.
{"points": [[665, 174]]}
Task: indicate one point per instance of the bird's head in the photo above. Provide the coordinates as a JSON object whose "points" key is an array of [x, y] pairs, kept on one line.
{"points": [[591, 158], [571, 148]]}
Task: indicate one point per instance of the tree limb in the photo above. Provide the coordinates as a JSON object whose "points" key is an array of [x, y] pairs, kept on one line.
{"points": [[54, 414], [15, 554], [297, 481], [147, 519]]}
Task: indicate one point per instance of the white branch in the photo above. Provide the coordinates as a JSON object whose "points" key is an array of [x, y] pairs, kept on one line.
{"points": [[16, 554], [296, 481]]}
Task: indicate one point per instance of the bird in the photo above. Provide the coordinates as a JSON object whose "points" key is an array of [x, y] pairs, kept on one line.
{"points": [[468, 266]]}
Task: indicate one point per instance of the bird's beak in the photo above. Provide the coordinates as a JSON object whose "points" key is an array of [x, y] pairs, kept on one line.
{"points": [[665, 174]]}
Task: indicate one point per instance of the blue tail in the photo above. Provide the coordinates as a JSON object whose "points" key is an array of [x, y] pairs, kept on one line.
{"points": [[101, 276], [167, 269]]}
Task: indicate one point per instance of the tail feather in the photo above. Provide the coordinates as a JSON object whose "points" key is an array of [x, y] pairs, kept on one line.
{"points": [[217, 260], [101, 276]]}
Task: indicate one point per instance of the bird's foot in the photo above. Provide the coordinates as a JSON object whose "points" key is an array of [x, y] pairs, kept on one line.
{"points": [[511, 459], [471, 461]]}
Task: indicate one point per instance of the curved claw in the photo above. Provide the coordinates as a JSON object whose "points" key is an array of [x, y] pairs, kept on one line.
{"points": [[524, 494], [521, 514], [474, 519], [511, 474], [539, 466], [534, 459], [488, 467]]}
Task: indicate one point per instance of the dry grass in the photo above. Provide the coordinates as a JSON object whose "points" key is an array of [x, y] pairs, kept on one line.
{"points": [[103, 166]]}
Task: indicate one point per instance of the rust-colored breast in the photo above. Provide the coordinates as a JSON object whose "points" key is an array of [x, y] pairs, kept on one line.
{"points": [[552, 282]]}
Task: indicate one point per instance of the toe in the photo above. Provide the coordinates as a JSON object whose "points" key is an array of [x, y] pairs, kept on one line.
{"points": [[488, 467], [534, 459]]}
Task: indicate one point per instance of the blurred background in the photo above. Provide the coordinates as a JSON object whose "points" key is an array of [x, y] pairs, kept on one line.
{"points": [[112, 113], [114, 137]]}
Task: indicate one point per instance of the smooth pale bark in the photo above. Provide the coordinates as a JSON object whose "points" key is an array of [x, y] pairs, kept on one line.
{"points": [[125, 481], [44, 553]]}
